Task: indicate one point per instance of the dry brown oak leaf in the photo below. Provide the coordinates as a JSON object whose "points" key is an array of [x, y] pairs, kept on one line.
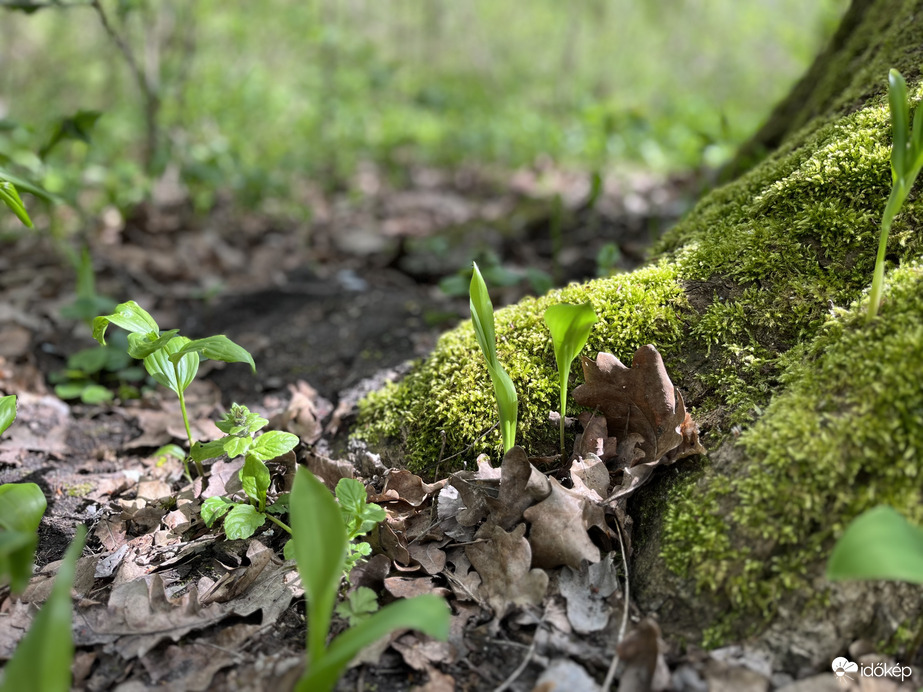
{"points": [[640, 401]]}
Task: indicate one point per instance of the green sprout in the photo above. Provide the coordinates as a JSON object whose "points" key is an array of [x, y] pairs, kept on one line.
{"points": [[239, 426], [906, 161], [320, 547], [570, 327], [878, 544], [482, 316], [171, 360]]}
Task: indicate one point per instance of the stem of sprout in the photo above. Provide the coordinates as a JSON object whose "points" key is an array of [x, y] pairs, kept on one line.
{"points": [[278, 523]]}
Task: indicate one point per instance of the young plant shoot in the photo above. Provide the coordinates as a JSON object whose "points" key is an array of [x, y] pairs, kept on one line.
{"points": [[570, 327], [239, 426], [482, 316], [320, 539], [906, 161], [170, 359]]}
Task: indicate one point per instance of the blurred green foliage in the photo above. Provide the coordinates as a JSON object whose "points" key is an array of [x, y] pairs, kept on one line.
{"points": [[253, 97]]}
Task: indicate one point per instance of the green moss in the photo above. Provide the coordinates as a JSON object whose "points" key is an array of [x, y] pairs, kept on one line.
{"points": [[846, 435], [756, 302], [451, 391]]}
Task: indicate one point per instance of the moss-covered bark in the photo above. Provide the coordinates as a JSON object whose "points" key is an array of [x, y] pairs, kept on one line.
{"points": [[756, 300]]}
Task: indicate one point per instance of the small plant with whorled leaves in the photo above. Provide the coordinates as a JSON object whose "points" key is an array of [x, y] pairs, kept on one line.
{"points": [[482, 317], [239, 425], [359, 517], [171, 360], [570, 327], [906, 162], [320, 548]]}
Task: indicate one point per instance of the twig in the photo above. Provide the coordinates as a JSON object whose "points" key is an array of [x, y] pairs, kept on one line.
{"points": [[610, 674]]}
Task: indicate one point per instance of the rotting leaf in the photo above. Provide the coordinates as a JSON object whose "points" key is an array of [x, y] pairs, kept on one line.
{"points": [[559, 528], [504, 560], [586, 591]]}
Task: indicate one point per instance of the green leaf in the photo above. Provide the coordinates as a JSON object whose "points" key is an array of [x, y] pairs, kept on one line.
{"points": [[243, 521], [174, 376], [482, 317], [217, 348], [169, 450], [570, 327], [320, 551], [254, 476], [207, 450], [428, 614], [879, 544], [10, 197], [900, 117], [42, 660], [95, 394], [352, 495], [359, 604], [235, 446], [89, 360], [129, 316], [21, 508], [140, 346], [7, 411], [273, 444], [213, 509], [70, 390]]}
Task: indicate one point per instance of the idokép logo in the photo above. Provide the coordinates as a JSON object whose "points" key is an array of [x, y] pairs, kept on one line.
{"points": [[845, 669]]}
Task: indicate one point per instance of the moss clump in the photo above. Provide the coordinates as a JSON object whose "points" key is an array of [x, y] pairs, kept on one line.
{"points": [[451, 390], [846, 435]]}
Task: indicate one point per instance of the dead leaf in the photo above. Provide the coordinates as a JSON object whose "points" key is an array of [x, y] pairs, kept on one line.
{"points": [[639, 650], [586, 591], [474, 489], [640, 399], [330, 471], [304, 414], [595, 438], [559, 528], [402, 587], [401, 484], [521, 486], [504, 560], [591, 474]]}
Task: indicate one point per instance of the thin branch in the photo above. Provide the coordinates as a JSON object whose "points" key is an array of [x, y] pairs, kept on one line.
{"points": [[610, 674]]}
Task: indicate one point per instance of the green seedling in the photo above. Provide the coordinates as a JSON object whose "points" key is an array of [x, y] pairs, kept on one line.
{"points": [[482, 317], [170, 359], [320, 547], [242, 519], [570, 327], [91, 371], [878, 544], [359, 517], [21, 508], [43, 659], [906, 161], [358, 605], [10, 197]]}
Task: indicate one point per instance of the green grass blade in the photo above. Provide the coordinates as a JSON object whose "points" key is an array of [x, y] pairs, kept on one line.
{"points": [[43, 658], [320, 551], [879, 544], [507, 405], [428, 614]]}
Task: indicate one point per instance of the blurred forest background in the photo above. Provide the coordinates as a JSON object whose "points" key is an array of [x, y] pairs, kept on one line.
{"points": [[253, 99]]}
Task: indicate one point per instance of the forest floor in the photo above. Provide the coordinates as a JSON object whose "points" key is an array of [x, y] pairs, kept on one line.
{"points": [[329, 309]]}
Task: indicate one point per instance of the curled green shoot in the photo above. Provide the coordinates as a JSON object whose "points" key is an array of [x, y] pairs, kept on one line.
{"points": [[482, 316]]}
